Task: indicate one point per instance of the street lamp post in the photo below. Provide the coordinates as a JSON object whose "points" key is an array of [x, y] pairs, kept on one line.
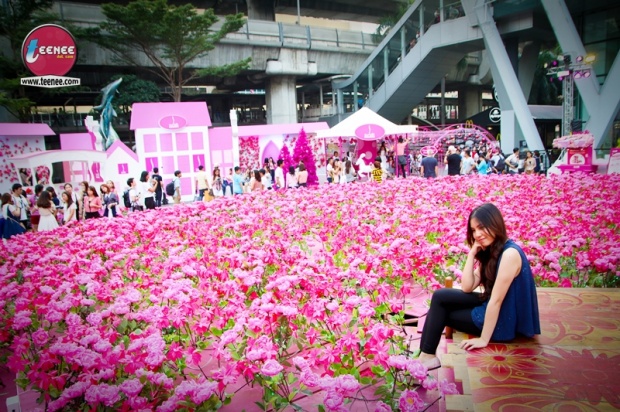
{"points": [[567, 71]]}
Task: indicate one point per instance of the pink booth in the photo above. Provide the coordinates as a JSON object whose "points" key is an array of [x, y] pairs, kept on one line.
{"points": [[579, 153]]}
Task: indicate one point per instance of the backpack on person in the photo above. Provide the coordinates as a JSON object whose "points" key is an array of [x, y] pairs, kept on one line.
{"points": [[170, 188], [126, 199], [501, 165]]}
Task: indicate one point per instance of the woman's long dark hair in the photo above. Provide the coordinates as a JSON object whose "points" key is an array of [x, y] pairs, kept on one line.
{"points": [[490, 218], [45, 200]]}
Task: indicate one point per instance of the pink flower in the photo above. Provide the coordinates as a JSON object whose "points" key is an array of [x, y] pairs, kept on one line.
{"points": [[410, 401], [332, 400], [300, 362], [447, 388], [309, 378], [347, 384], [382, 407], [430, 383], [102, 393], [94, 319], [271, 368], [131, 387], [416, 369], [40, 337]]}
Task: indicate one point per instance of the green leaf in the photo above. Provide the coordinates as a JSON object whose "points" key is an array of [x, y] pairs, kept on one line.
{"points": [[122, 327], [378, 370]]}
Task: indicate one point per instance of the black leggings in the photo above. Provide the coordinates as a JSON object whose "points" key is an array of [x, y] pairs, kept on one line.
{"points": [[449, 307]]}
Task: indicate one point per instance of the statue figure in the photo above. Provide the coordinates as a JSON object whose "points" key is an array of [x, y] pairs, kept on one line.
{"points": [[107, 113]]}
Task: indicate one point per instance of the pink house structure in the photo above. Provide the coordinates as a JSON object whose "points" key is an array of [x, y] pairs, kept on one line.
{"points": [[20, 139], [174, 136]]}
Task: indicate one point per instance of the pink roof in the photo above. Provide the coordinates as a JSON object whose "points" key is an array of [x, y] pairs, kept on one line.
{"points": [[76, 141], [269, 129], [148, 115], [25, 129], [121, 146]]}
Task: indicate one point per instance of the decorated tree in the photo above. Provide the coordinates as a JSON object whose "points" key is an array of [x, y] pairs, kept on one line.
{"points": [[285, 155], [303, 153]]}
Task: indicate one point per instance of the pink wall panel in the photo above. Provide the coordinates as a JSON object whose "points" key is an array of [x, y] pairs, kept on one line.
{"points": [[150, 145], [168, 165], [165, 140], [197, 141], [220, 142], [150, 163], [123, 169], [186, 186], [199, 160], [182, 143], [183, 162]]}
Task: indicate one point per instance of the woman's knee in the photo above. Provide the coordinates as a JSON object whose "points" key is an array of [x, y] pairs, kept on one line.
{"points": [[445, 295]]}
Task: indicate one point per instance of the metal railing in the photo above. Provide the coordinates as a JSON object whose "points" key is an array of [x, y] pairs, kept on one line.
{"points": [[254, 32], [397, 43]]}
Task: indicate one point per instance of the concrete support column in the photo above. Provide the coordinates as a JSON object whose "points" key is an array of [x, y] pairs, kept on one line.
{"points": [[261, 10], [470, 102], [527, 67], [281, 99], [517, 123]]}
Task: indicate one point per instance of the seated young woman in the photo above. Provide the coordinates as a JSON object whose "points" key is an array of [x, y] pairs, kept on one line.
{"points": [[508, 305]]}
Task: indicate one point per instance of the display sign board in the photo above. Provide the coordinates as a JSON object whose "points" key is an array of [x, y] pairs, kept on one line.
{"points": [[614, 161]]}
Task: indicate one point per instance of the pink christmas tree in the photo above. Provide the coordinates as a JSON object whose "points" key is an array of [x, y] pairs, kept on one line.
{"points": [[285, 155], [303, 153]]}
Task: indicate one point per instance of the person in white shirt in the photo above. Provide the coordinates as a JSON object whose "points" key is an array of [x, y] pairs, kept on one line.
{"points": [[512, 162], [291, 178], [264, 179], [134, 195], [279, 175], [177, 187], [201, 182], [329, 170], [147, 190], [69, 207], [22, 203], [467, 164]]}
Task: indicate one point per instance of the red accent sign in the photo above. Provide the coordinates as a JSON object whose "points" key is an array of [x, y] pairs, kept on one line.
{"points": [[49, 50]]}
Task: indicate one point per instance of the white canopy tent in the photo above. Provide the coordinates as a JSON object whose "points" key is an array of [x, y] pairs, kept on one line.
{"points": [[365, 116], [367, 126]]}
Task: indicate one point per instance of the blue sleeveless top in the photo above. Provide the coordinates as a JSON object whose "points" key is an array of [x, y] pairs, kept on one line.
{"points": [[519, 311]]}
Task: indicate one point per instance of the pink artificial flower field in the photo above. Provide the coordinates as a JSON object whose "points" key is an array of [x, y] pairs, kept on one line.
{"points": [[186, 307]]}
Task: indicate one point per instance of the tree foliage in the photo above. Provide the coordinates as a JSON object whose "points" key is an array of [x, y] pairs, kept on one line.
{"points": [[17, 19], [134, 90], [545, 91], [170, 37], [387, 22]]}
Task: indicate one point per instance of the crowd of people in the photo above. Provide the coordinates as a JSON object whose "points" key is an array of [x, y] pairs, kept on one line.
{"points": [[44, 210], [271, 176]]}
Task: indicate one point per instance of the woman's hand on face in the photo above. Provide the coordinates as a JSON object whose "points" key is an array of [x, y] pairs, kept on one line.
{"points": [[477, 343], [475, 248]]}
